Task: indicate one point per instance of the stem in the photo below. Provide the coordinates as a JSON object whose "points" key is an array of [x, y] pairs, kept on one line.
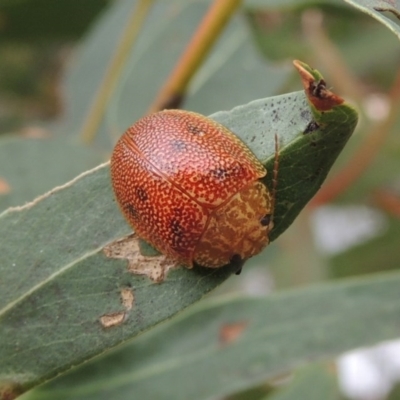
{"points": [[96, 112], [197, 49], [388, 201], [328, 55], [361, 160]]}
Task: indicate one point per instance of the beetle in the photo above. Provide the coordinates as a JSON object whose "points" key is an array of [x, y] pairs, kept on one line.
{"points": [[192, 189]]}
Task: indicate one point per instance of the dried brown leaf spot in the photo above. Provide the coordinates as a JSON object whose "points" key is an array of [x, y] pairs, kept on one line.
{"points": [[9, 390], [155, 267], [113, 319], [316, 91], [4, 186], [119, 317], [127, 298], [230, 333]]}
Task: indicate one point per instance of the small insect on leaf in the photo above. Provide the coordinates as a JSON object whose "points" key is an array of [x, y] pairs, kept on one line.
{"points": [[198, 194], [69, 263], [192, 189]]}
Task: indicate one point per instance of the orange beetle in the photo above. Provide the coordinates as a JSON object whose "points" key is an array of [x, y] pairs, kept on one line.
{"points": [[192, 189]]}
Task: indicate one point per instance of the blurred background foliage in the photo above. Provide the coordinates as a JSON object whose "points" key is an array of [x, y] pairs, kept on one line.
{"points": [[36, 39], [54, 58]]}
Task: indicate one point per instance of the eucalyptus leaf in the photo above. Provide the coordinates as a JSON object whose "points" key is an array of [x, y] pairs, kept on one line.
{"points": [[191, 356], [380, 253], [164, 36], [388, 13], [283, 5], [57, 284], [314, 382], [33, 166]]}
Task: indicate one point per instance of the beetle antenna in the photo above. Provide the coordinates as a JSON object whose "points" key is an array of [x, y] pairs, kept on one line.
{"points": [[275, 175]]}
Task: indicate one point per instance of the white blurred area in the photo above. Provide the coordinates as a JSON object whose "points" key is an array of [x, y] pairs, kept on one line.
{"points": [[371, 373], [336, 229]]}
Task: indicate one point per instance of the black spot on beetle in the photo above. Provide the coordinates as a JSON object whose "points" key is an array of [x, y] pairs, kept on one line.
{"points": [[176, 227], [178, 237], [178, 145], [223, 173], [219, 173], [131, 210], [141, 194], [194, 129]]}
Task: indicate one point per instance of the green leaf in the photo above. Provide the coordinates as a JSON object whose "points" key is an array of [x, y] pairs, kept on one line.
{"points": [[39, 20], [315, 382], [57, 283], [32, 167], [287, 4], [380, 11], [164, 36], [233, 54], [378, 254], [187, 358]]}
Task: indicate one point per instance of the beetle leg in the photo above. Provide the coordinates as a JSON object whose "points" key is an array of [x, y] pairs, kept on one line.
{"points": [[238, 263]]}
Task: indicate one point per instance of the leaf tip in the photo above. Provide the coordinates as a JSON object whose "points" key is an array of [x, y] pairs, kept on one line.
{"points": [[315, 87]]}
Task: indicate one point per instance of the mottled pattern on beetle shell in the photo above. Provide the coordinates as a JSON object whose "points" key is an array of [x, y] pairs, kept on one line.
{"points": [[158, 211], [234, 228], [194, 153]]}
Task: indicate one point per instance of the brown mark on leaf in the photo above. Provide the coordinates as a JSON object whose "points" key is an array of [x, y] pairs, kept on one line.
{"points": [[113, 319], [230, 333], [316, 91], [9, 390], [391, 9], [155, 267], [4, 186], [119, 317], [127, 298]]}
